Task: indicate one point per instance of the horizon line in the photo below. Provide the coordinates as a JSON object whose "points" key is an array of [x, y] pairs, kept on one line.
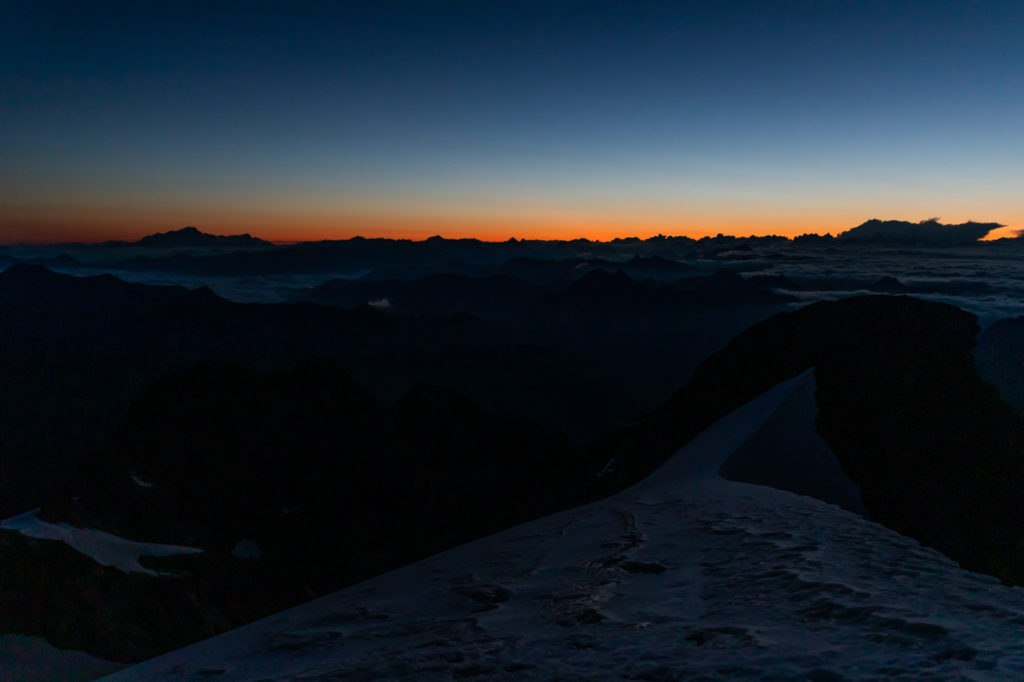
{"points": [[415, 236]]}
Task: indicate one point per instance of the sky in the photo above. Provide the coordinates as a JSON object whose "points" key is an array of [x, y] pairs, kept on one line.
{"points": [[498, 119]]}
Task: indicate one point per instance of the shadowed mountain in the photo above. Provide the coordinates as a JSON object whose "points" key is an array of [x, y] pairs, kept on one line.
{"points": [[726, 287], [653, 267], [646, 335], [295, 483], [604, 289], [433, 294], [656, 267], [886, 284], [50, 308], [889, 285], [548, 274], [77, 350], [643, 337], [386, 258], [61, 261], [545, 263]]}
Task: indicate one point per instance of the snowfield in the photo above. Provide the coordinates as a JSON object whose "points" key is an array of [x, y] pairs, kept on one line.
{"points": [[683, 576], [103, 548]]}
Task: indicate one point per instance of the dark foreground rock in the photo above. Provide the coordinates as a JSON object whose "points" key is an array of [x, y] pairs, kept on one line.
{"points": [[294, 483]]}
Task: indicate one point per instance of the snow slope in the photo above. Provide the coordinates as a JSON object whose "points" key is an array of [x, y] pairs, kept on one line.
{"points": [[683, 576], [103, 548], [788, 453]]}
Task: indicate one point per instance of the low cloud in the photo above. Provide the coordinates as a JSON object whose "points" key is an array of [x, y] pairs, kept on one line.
{"points": [[925, 233]]}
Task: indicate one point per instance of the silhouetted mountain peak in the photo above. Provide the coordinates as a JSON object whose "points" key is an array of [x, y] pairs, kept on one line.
{"points": [[26, 273], [657, 263], [889, 285], [225, 394], [201, 300], [65, 260], [602, 281], [38, 280], [314, 373], [427, 401], [203, 293], [192, 237], [725, 277]]}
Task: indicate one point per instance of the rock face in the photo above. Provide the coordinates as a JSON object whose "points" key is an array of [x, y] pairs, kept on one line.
{"points": [[936, 453]]}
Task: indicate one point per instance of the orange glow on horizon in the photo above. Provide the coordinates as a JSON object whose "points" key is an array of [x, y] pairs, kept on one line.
{"points": [[46, 231], [85, 226]]}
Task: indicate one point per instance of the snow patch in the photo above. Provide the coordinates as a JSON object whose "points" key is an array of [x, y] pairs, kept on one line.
{"points": [[103, 548]]}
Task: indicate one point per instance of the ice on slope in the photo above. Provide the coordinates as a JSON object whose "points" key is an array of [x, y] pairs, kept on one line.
{"points": [[684, 576], [103, 548]]}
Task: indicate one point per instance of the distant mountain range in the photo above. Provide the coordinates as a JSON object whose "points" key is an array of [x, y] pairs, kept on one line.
{"points": [[77, 350], [191, 252]]}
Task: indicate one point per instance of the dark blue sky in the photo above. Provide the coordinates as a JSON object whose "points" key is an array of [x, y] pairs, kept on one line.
{"points": [[294, 120]]}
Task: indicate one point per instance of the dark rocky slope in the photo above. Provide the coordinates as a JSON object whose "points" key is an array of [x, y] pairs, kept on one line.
{"points": [[295, 483], [76, 351]]}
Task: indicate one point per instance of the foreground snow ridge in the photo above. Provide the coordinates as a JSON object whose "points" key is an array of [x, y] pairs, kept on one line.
{"points": [[684, 576]]}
